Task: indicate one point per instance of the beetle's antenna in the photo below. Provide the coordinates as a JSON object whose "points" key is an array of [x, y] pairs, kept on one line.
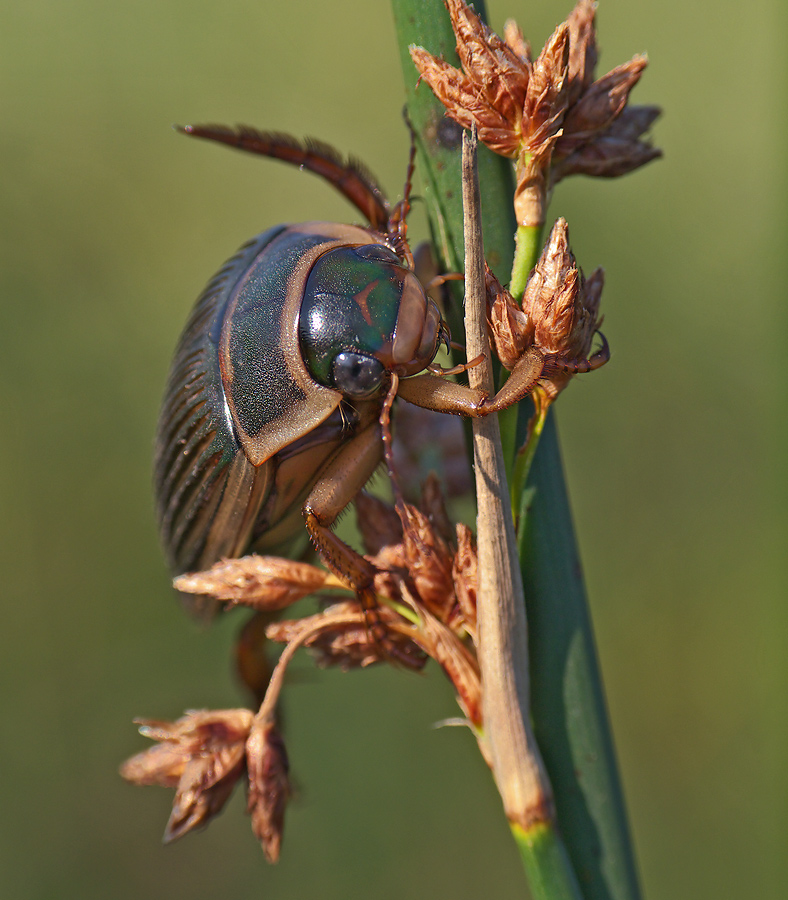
{"points": [[398, 223]]}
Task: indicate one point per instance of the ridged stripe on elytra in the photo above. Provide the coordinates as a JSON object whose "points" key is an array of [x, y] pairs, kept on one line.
{"points": [[195, 439], [236, 392]]}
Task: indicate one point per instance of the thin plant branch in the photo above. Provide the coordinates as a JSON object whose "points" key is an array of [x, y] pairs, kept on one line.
{"points": [[502, 649]]}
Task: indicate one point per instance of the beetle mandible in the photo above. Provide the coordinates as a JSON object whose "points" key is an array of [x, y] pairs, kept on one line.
{"points": [[272, 412]]}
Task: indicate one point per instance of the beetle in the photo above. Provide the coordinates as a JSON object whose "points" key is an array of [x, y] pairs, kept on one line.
{"points": [[273, 411]]}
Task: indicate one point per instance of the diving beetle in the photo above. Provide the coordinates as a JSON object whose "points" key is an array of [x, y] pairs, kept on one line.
{"points": [[274, 406]]}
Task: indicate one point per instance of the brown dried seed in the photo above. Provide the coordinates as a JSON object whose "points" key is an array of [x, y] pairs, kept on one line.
{"points": [[429, 560], [551, 292], [434, 507], [204, 788], [599, 105], [582, 48], [495, 68], [465, 103], [546, 98], [514, 38], [465, 573], [509, 326], [269, 785], [201, 754], [261, 582], [607, 156], [378, 523]]}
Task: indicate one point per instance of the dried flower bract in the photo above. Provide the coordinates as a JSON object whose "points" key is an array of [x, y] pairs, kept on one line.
{"points": [[559, 315], [426, 584], [202, 755], [550, 115]]}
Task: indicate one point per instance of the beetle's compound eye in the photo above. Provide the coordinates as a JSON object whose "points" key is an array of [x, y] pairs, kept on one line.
{"points": [[357, 375]]}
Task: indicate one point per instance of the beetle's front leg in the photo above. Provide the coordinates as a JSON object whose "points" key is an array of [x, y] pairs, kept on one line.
{"points": [[433, 392], [339, 483], [580, 366]]}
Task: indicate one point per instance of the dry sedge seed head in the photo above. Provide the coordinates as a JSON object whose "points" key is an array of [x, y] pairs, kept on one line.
{"points": [[509, 326], [599, 105], [261, 582], [205, 753], [493, 67], [204, 788], [201, 754], [551, 292], [514, 38], [460, 95], [340, 635], [633, 122], [465, 573], [428, 560], [547, 95], [269, 786], [615, 151], [378, 523], [563, 308], [582, 48], [549, 115]]}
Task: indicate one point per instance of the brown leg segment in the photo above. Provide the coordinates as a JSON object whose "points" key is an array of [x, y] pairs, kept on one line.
{"points": [[432, 392], [340, 481], [580, 366]]}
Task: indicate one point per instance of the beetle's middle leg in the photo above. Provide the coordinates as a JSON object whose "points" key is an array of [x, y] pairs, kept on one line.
{"points": [[339, 483]]}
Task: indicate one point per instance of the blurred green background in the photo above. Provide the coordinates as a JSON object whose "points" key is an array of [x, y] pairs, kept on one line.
{"points": [[112, 223]]}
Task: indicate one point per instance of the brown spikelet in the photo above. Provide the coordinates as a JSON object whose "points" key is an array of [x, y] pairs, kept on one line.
{"points": [[509, 326], [550, 115], [261, 582], [202, 755], [269, 786]]}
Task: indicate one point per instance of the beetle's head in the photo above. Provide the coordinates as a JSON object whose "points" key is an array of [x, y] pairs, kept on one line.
{"points": [[363, 315]]}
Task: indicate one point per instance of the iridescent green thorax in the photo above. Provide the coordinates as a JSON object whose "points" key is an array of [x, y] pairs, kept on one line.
{"points": [[351, 303]]}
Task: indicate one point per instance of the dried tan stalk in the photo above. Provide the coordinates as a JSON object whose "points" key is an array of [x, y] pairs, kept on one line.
{"points": [[503, 636]]}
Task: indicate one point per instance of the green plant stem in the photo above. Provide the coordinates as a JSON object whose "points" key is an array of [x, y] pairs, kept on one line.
{"points": [[567, 701], [528, 245], [521, 469], [546, 862]]}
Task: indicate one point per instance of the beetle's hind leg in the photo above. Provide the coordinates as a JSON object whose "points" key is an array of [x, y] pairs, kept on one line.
{"points": [[339, 483]]}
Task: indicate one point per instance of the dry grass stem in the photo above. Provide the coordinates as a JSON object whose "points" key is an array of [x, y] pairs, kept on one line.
{"points": [[503, 636]]}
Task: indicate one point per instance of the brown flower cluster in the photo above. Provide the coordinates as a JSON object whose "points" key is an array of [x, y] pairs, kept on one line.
{"points": [[548, 114], [426, 577], [203, 755], [559, 314]]}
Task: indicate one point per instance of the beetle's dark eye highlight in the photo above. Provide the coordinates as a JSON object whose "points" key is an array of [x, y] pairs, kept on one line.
{"points": [[357, 375]]}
